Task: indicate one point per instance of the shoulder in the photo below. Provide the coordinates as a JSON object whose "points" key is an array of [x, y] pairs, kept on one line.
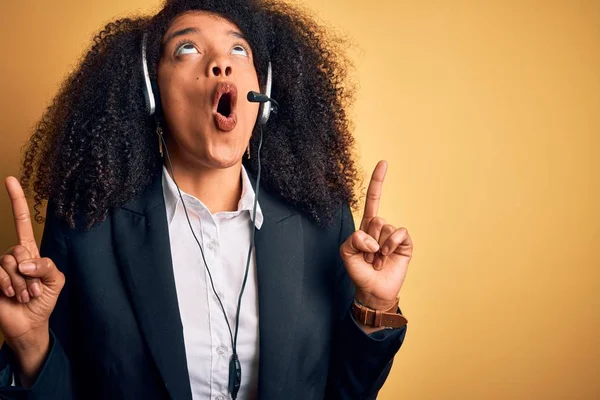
{"points": [[334, 230]]}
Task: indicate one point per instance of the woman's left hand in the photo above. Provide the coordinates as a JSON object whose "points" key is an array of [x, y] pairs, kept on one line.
{"points": [[377, 255]]}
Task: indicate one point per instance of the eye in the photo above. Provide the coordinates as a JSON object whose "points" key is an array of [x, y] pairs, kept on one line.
{"points": [[186, 48], [239, 50]]}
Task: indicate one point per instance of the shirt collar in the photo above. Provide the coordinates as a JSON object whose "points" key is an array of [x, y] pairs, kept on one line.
{"points": [[246, 202]]}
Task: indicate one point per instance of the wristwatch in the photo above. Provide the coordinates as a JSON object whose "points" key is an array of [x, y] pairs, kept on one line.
{"points": [[389, 319]]}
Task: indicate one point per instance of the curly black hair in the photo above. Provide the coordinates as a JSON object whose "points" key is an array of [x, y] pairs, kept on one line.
{"points": [[95, 148]]}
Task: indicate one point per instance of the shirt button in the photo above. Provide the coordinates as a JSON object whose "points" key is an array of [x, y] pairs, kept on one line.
{"points": [[212, 245], [218, 294], [219, 397], [221, 350]]}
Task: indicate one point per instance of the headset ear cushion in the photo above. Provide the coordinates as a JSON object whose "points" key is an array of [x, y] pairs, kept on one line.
{"points": [[157, 102], [266, 107]]}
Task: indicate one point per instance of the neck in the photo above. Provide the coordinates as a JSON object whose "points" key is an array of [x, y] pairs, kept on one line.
{"points": [[219, 189]]}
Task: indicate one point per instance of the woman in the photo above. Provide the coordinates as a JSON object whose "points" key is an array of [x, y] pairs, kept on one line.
{"points": [[160, 248]]}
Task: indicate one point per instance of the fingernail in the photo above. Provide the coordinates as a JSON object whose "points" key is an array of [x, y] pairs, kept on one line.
{"points": [[370, 258], [385, 251], [35, 290], [10, 292], [373, 245], [27, 268], [24, 297]]}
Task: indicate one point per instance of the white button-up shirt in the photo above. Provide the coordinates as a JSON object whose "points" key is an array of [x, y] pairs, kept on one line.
{"points": [[225, 239]]}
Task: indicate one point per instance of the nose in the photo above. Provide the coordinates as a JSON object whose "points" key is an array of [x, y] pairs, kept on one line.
{"points": [[220, 67]]}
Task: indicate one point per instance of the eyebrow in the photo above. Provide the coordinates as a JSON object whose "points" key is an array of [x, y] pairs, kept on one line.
{"points": [[237, 34], [180, 32], [185, 31]]}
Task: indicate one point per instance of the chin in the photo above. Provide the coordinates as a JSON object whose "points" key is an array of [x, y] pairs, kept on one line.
{"points": [[223, 159], [224, 150]]}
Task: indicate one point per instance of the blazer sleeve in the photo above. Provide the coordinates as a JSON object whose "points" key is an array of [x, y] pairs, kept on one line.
{"points": [[55, 379], [360, 362]]}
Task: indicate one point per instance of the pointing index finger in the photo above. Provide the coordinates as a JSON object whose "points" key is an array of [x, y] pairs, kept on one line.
{"points": [[21, 216], [374, 194]]}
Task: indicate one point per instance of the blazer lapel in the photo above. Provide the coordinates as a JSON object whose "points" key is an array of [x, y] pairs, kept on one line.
{"points": [[144, 253], [280, 269]]}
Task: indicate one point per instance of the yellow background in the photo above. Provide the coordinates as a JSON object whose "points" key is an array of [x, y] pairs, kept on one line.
{"points": [[488, 113]]}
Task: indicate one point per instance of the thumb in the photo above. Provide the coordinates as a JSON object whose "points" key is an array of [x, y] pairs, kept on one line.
{"points": [[44, 269], [358, 242]]}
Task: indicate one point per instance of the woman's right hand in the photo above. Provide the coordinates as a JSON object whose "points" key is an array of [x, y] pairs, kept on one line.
{"points": [[29, 287]]}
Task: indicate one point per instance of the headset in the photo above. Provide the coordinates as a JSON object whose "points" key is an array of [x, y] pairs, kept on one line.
{"points": [[153, 105], [153, 108]]}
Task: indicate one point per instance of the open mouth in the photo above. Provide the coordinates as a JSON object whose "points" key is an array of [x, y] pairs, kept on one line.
{"points": [[224, 104]]}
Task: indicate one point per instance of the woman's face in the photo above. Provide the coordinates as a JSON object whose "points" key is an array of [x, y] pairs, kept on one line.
{"points": [[204, 74]]}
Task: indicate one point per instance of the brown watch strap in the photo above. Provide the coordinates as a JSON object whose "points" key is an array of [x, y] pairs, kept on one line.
{"points": [[375, 318]]}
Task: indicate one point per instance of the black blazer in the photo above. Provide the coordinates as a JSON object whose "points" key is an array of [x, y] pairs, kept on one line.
{"points": [[116, 331]]}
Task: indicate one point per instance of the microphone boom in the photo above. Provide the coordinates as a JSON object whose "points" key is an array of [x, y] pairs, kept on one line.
{"points": [[255, 97]]}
